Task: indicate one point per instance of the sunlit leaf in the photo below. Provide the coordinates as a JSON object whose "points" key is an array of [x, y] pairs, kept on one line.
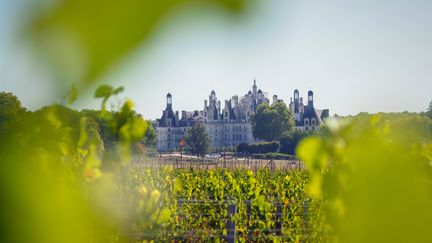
{"points": [[73, 95], [103, 91], [118, 90]]}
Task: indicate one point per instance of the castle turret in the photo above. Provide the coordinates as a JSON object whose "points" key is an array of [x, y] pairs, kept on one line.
{"points": [[296, 101], [275, 98], [212, 97], [254, 87], [169, 101], [310, 99]]}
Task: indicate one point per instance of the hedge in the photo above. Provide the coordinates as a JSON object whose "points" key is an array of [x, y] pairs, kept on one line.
{"points": [[274, 156], [258, 148]]}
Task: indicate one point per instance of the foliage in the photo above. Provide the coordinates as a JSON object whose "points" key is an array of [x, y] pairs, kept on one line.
{"points": [[149, 139], [197, 140], [429, 110], [290, 140], [83, 40], [270, 122], [370, 169], [54, 164], [242, 148], [258, 148], [9, 105], [274, 156], [207, 193]]}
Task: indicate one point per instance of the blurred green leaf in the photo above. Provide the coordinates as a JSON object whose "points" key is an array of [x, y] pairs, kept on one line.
{"points": [[118, 90], [73, 95], [164, 215], [84, 38], [374, 174], [103, 91]]}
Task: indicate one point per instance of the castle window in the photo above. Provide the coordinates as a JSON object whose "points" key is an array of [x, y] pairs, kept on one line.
{"points": [[313, 122], [226, 114], [306, 122]]}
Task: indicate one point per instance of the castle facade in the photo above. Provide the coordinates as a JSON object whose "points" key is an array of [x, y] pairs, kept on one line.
{"points": [[229, 126]]}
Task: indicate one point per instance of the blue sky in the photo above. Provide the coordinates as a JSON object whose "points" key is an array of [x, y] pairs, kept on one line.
{"points": [[355, 55]]}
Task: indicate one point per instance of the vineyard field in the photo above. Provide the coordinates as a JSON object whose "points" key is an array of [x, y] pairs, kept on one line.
{"points": [[202, 205]]}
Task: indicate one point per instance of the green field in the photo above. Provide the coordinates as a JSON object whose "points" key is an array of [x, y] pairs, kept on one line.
{"points": [[269, 205]]}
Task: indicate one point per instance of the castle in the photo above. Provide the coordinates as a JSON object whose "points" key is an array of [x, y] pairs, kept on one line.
{"points": [[230, 126]]}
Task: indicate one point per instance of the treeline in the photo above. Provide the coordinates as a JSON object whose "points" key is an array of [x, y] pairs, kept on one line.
{"points": [[282, 149], [66, 167], [103, 125]]}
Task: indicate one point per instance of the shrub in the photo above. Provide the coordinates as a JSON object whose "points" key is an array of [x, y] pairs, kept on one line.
{"points": [[274, 156], [258, 148]]}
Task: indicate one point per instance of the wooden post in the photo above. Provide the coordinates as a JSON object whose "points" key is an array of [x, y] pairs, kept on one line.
{"points": [[248, 216], [230, 226], [305, 217], [278, 219]]}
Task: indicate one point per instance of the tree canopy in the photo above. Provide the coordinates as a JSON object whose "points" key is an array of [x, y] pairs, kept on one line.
{"points": [[290, 140], [149, 139], [197, 140], [9, 104], [270, 122], [429, 110]]}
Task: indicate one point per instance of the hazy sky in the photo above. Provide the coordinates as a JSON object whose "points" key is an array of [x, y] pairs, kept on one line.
{"points": [[355, 55]]}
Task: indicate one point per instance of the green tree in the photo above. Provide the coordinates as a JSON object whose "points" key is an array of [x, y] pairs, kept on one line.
{"points": [[290, 140], [10, 105], [149, 139], [243, 148], [270, 122], [429, 110], [197, 140]]}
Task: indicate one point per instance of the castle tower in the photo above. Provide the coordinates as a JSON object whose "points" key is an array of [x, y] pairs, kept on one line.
{"points": [[296, 101], [310, 99], [212, 97], [254, 87], [169, 101]]}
